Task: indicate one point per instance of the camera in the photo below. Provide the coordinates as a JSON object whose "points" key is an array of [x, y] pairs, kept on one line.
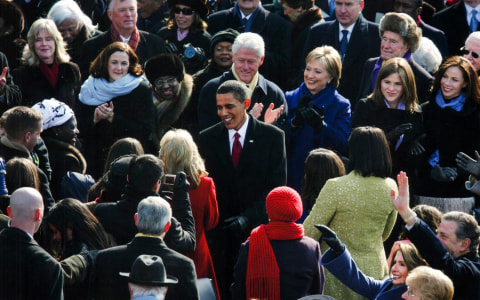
{"points": [[195, 53], [170, 179]]}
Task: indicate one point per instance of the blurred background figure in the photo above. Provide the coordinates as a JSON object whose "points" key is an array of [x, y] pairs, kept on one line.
{"points": [[75, 26], [180, 153], [428, 56], [186, 33], [47, 71], [11, 41], [152, 15]]}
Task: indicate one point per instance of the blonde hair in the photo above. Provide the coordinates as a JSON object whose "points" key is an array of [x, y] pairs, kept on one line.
{"points": [[180, 153], [30, 57], [432, 284], [331, 61]]}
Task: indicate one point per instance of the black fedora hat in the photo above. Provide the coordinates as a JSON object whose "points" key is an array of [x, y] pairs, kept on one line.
{"points": [[149, 270]]}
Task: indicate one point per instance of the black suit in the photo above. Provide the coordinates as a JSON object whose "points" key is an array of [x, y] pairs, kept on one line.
{"points": [[26, 270], [149, 45], [423, 80], [108, 284], [275, 31], [453, 21], [463, 270], [437, 36], [364, 43], [241, 191]]}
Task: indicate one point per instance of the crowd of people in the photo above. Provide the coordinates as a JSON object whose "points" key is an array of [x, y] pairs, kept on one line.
{"points": [[279, 149]]}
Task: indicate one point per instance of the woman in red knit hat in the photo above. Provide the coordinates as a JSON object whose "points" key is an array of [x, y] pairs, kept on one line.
{"points": [[278, 261]]}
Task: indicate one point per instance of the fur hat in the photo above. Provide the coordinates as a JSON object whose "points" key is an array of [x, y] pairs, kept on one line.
{"points": [[199, 6], [164, 65], [404, 25], [227, 35], [284, 204]]}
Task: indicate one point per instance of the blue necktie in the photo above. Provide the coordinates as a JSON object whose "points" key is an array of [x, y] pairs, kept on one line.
{"points": [[343, 43], [474, 21]]}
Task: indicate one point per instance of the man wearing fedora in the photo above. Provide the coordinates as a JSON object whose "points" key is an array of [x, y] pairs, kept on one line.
{"points": [[153, 221], [148, 279]]}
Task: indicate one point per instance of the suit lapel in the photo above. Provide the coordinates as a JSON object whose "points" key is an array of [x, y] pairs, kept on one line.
{"points": [[259, 21], [223, 147], [249, 146]]}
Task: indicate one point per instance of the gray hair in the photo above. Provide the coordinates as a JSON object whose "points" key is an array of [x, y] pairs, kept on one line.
{"points": [[251, 41], [30, 57], [473, 36], [153, 214], [428, 56], [110, 4], [137, 290], [69, 10]]}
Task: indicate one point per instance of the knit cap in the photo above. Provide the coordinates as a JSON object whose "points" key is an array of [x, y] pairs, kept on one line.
{"points": [[284, 204]]}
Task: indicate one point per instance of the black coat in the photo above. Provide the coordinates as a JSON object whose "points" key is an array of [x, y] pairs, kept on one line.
{"points": [[437, 36], [453, 21], [368, 113], [265, 92], [464, 270], [423, 79], [241, 191], [197, 39], [26, 270], [12, 95], [275, 31], [449, 132], [118, 219], [149, 45], [35, 86], [108, 284], [133, 117], [364, 36]]}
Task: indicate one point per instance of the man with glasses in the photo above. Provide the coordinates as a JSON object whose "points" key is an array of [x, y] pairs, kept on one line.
{"points": [[172, 90], [471, 50], [123, 14], [454, 249]]}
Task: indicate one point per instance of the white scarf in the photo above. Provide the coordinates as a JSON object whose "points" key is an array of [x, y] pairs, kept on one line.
{"points": [[96, 91]]}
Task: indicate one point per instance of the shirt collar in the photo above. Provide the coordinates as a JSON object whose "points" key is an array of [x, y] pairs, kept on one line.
{"points": [[242, 131]]}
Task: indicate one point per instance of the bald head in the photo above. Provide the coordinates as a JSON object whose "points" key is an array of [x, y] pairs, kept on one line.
{"points": [[26, 209]]}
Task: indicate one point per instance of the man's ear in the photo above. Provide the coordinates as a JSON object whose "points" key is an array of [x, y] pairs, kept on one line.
{"points": [[38, 215], [135, 218], [465, 244], [247, 103], [167, 227], [109, 14], [26, 137], [261, 61], [362, 4], [9, 212]]}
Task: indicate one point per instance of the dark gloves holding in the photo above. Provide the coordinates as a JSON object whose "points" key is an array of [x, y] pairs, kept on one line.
{"points": [[330, 237], [416, 147], [181, 183], [311, 115], [235, 224], [298, 120], [3, 185], [443, 174], [396, 132], [469, 164]]}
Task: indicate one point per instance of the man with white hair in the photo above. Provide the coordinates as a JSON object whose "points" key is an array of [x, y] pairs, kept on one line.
{"points": [[153, 221], [26, 270], [471, 50], [268, 102]]}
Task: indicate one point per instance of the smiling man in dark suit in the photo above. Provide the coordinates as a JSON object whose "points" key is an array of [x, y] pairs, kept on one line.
{"points": [[246, 159], [362, 42]]}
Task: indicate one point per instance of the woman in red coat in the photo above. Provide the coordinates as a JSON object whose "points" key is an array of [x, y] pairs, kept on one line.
{"points": [[180, 153]]}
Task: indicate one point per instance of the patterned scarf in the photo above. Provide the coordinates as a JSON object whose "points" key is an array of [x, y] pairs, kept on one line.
{"points": [[134, 38], [51, 72], [263, 274]]}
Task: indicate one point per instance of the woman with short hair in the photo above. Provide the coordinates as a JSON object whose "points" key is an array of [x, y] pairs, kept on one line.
{"points": [[425, 283], [46, 71], [358, 207]]}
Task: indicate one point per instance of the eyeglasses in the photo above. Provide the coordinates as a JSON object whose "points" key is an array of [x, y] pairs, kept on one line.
{"points": [[410, 292], [185, 11], [465, 51], [169, 81]]}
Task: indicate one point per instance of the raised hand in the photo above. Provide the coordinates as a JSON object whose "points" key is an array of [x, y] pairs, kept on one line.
{"points": [[272, 115], [256, 110], [469, 164]]}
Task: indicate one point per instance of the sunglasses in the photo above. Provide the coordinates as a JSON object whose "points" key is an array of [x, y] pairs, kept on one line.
{"points": [[465, 51], [185, 11], [168, 81]]}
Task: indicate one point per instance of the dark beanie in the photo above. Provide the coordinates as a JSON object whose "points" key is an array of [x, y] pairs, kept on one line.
{"points": [[164, 65], [227, 35], [284, 204]]}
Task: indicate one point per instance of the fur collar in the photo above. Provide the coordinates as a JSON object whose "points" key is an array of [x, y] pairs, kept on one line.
{"points": [[69, 148], [14, 145]]}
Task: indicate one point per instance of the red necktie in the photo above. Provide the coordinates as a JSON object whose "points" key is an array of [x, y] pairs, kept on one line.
{"points": [[236, 150]]}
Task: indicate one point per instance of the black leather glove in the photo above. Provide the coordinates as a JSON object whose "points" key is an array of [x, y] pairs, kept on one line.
{"points": [[396, 132], [181, 184], [303, 102], [235, 224], [314, 117], [298, 121], [443, 174], [416, 147], [330, 237], [469, 164]]}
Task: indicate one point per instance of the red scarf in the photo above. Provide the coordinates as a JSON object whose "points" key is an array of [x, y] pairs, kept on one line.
{"points": [[263, 275], [134, 38], [51, 72]]}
